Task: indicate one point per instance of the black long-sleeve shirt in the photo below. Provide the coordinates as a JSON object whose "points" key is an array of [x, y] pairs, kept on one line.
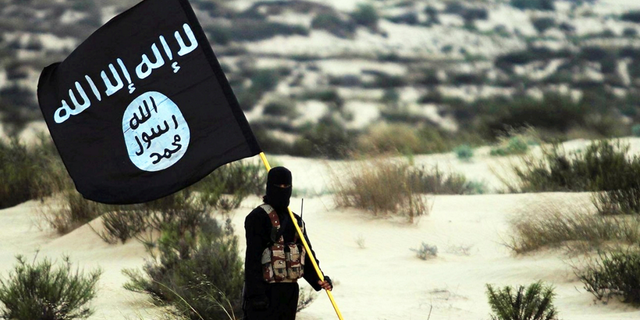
{"points": [[258, 226]]}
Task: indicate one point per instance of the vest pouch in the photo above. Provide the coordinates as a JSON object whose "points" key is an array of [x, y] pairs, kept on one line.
{"points": [[278, 260], [267, 268], [295, 266]]}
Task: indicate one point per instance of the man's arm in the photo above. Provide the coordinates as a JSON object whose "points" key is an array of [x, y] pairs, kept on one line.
{"points": [[310, 273], [255, 236]]}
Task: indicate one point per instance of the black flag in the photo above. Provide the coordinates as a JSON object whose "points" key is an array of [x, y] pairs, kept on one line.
{"points": [[142, 109]]}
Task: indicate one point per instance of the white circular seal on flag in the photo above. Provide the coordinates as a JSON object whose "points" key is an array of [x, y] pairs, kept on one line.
{"points": [[155, 132]]}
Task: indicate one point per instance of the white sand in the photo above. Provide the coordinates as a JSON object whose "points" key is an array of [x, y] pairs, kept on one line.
{"points": [[384, 280]]}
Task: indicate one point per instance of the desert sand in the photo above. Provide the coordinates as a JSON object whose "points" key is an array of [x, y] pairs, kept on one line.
{"points": [[377, 276]]}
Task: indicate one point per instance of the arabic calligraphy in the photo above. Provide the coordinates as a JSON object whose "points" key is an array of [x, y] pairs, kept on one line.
{"points": [[113, 78], [155, 131]]}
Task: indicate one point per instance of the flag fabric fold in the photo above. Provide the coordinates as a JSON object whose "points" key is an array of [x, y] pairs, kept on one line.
{"points": [[142, 108]]}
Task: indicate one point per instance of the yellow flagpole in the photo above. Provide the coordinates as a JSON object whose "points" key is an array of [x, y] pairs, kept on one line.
{"points": [[306, 245]]}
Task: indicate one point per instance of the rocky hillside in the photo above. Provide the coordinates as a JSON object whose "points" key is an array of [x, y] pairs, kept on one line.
{"points": [[322, 78]]}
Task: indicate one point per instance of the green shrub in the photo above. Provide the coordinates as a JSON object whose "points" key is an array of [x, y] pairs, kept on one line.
{"points": [[269, 142], [635, 130], [262, 81], [410, 18], [330, 96], [20, 173], [391, 98], [632, 16], [615, 273], [72, 211], [534, 302], [513, 145], [332, 23], [554, 112], [328, 138], [630, 32], [37, 290], [256, 30], [464, 152], [380, 187], [123, 224], [543, 24], [534, 4], [280, 107], [223, 189], [603, 166], [238, 179], [386, 81], [198, 272], [366, 15]]}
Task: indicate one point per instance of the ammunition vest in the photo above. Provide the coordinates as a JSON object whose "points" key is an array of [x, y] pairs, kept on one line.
{"points": [[282, 262]]}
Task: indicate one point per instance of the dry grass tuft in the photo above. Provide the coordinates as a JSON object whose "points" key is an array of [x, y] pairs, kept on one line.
{"points": [[554, 224], [381, 187]]}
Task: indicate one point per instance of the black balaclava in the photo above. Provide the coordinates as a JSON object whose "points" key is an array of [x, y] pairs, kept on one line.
{"points": [[278, 197]]}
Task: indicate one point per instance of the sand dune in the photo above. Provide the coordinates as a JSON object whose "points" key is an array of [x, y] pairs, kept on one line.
{"points": [[383, 280]]}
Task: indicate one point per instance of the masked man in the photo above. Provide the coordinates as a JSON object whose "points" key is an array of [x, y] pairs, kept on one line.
{"points": [[275, 257]]}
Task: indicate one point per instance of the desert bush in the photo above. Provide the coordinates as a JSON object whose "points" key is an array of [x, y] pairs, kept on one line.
{"points": [[543, 24], [328, 138], [269, 142], [594, 53], [410, 18], [533, 4], [554, 112], [366, 15], [262, 81], [515, 143], [517, 58], [603, 166], [386, 138], [349, 80], [630, 32], [435, 181], [553, 224], [534, 302], [400, 138], [37, 290], [72, 211], [280, 107], [383, 80], [432, 15], [123, 224], [426, 251], [332, 23], [632, 16], [391, 98], [307, 296], [245, 29], [464, 152], [615, 273], [218, 34], [238, 179], [223, 189], [381, 188], [199, 273], [330, 96], [21, 171]]}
